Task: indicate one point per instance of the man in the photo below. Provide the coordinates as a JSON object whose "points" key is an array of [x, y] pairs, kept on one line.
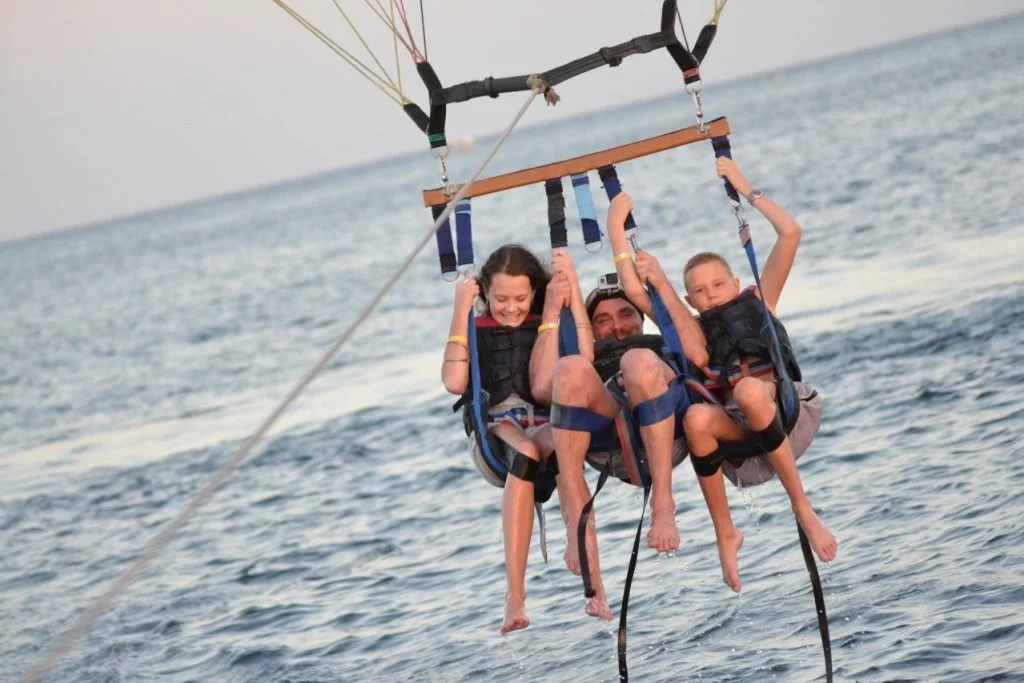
{"points": [[628, 383]]}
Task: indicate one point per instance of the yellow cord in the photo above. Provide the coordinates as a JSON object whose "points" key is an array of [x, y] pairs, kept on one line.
{"points": [[372, 55], [382, 85], [719, 6]]}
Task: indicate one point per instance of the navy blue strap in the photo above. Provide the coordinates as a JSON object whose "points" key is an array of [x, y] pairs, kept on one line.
{"points": [[588, 215], [653, 411], [568, 339], [788, 398], [612, 187], [479, 397], [723, 149], [464, 232], [445, 247], [577, 419]]}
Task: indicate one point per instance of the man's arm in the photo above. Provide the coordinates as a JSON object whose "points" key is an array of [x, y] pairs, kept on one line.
{"points": [[780, 259]]}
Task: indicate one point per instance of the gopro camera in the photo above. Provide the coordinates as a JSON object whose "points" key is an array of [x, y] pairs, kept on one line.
{"points": [[609, 282]]}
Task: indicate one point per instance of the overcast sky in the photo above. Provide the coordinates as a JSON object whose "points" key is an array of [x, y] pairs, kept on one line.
{"points": [[109, 107]]}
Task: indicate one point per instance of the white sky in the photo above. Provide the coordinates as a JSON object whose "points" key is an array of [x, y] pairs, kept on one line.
{"points": [[109, 107]]}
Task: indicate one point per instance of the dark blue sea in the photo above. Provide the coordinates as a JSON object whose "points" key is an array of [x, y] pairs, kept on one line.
{"points": [[359, 544]]}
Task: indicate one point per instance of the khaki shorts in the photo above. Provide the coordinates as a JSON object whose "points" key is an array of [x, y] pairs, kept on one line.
{"points": [[750, 466]]}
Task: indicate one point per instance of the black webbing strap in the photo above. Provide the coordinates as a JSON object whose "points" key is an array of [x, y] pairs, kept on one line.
{"points": [[819, 602], [623, 670], [556, 213], [435, 122], [581, 532], [414, 112], [606, 56], [700, 48]]}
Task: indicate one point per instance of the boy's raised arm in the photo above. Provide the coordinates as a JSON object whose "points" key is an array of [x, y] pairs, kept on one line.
{"points": [[780, 260]]}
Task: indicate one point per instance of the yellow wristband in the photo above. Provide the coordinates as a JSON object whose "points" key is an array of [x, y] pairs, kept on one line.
{"points": [[547, 326], [623, 256], [455, 339]]}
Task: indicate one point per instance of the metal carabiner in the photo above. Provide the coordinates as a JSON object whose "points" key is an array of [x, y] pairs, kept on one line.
{"points": [[698, 105], [743, 227], [441, 154]]}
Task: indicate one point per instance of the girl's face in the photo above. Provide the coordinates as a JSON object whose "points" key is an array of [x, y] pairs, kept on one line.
{"points": [[509, 299]]}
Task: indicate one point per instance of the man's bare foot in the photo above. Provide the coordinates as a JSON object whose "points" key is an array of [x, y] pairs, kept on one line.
{"points": [[664, 534], [822, 541], [597, 606], [728, 555], [515, 615], [572, 551]]}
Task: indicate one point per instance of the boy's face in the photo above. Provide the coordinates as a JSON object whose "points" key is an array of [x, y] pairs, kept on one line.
{"points": [[710, 284]]}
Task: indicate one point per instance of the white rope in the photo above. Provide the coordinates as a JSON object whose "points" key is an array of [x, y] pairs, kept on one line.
{"points": [[158, 544]]}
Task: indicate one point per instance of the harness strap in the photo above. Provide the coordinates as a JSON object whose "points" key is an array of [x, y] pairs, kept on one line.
{"points": [[654, 410], [556, 213], [445, 246], [772, 436], [479, 398], [438, 113], [607, 56], [819, 602], [581, 533], [524, 468], [577, 419], [464, 233], [623, 670], [588, 215]]}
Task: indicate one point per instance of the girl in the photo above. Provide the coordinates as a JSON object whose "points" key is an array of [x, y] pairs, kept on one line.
{"points": [[522, 301]]}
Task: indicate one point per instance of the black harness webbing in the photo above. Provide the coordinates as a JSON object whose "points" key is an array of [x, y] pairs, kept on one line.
{"points": [[623, 670], [819, 602]]}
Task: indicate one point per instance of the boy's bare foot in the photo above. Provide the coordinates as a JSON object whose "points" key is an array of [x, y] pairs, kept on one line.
{"points": [[728, 555], [515, 615], [822, 541], [597, 606], [664, 534]]}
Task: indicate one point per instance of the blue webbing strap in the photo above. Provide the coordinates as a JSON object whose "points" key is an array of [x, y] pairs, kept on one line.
{"points": [[588, 215], [653, 411], [577, 419], [568, 339], [789, 398], [445, 247], [479, 396], [464, 233]]}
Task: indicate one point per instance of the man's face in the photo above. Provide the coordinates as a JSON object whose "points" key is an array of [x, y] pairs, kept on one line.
{"points": [[616, 318]]}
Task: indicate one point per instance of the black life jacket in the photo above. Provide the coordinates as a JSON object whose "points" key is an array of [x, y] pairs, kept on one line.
{"points": [[736, 330], [608, 352], [504, 357]]}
